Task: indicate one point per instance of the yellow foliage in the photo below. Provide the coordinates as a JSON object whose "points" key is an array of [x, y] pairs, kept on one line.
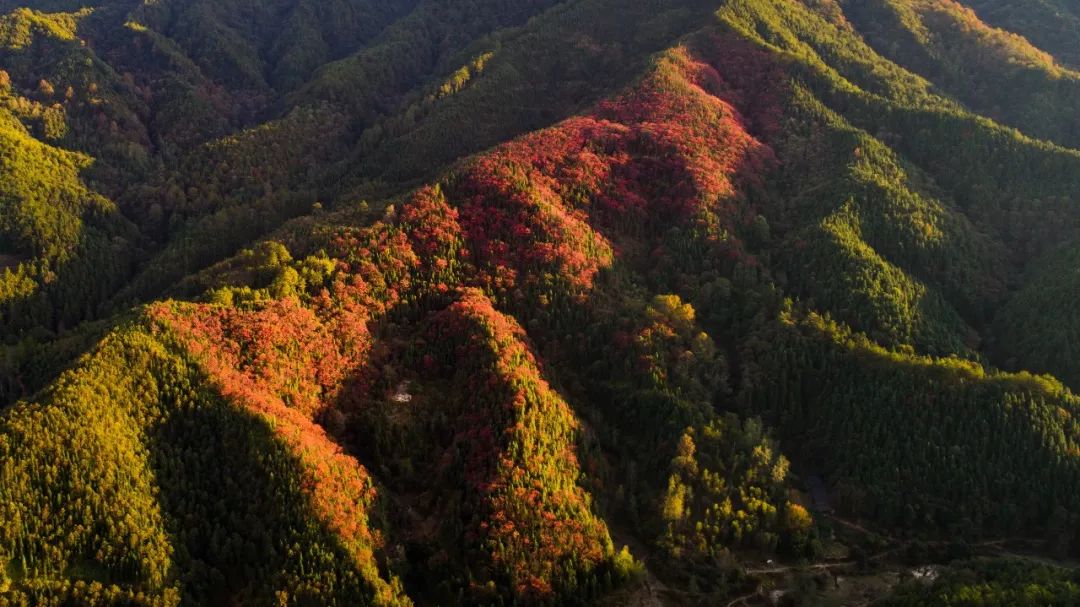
{"points": [[797, 518]]}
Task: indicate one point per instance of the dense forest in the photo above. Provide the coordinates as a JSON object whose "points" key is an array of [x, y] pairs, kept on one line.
{"points": [[539, 302]]}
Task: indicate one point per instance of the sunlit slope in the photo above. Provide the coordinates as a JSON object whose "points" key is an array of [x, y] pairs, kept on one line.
{"points": [[159, 490], [568, 285], [303, 348]]}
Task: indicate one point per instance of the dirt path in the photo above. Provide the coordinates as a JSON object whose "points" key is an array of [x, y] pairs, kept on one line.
{"points": [[651, 592], [857, 527], [741, 599], [789, 568]]}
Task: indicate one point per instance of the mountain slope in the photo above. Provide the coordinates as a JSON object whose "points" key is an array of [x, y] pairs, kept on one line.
{"points": [[509, 302]]}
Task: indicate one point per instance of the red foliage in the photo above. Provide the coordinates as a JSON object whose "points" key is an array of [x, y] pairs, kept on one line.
{"points": [[516, 436], [749, 78], [666, 152], [516, 222], [287, 362], [278, 361], [540, 211], [282, 349]]}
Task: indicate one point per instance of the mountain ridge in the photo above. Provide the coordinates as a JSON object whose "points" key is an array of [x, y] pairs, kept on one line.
{"points": [[425, 303]]}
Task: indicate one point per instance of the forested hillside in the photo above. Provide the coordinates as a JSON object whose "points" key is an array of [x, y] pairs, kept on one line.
{"points": [[539, 302]]}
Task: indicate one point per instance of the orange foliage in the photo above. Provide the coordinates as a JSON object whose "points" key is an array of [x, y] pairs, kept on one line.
{"points": [[517, 435]]}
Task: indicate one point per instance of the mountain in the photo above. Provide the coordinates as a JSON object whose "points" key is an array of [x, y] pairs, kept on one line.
{"points": [[537, 302]]}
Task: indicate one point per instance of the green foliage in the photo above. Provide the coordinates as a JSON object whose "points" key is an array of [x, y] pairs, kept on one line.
{"points": [[918, 442], [18, 28], [997, 73], [1050, 25], [1037, 328], [724, 225], [882, 212], [53, 226], [586, 51], [166, 512], [869, 292], [988, 582], [730, 492]]}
